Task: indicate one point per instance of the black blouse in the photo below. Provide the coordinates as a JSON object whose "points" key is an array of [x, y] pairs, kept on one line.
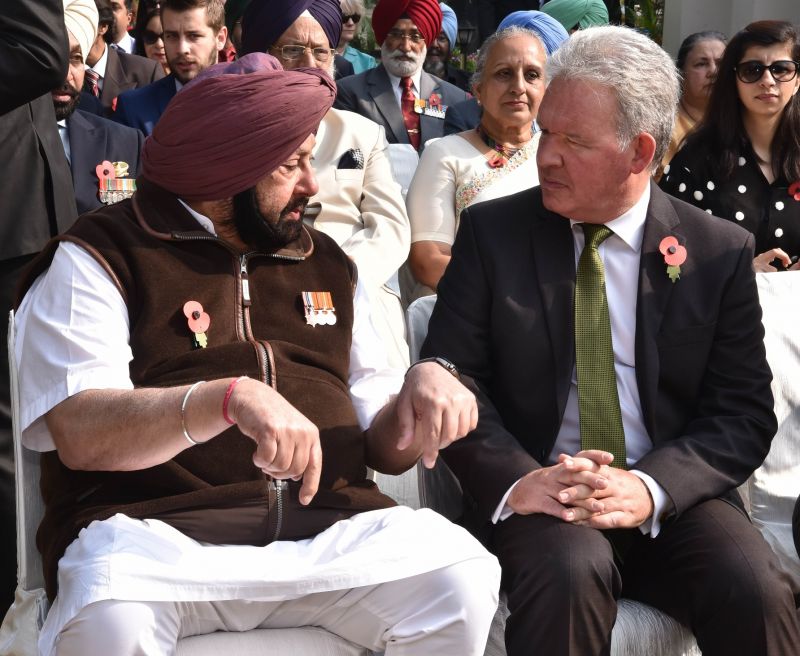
{"points": [[766, 210]]}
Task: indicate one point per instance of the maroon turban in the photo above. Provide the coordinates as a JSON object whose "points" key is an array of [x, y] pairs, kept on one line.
{"points": [[234, 124], [265, 20], [425, 14]]}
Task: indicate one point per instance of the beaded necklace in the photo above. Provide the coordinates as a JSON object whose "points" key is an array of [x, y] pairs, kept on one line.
{"points": [[504, 153]]}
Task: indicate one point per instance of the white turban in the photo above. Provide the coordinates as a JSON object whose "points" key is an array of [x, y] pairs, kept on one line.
{"points": [[81, 18]]}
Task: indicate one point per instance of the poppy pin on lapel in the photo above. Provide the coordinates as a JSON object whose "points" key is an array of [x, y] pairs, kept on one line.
{"points": [[198, 321], [674, 255]]}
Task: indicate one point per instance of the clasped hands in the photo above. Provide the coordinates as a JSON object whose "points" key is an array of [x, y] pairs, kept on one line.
{"points": [[433, 409], [584, 489]]}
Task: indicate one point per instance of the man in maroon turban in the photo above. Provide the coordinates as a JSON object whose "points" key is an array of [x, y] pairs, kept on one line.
{"points": [[201, 375], [398, 94]]}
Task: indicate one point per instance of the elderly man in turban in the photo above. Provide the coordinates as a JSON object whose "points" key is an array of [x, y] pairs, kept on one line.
{"points": [[358, 203], [399, 95], [577, 15], [205, 391], [437, 61]]}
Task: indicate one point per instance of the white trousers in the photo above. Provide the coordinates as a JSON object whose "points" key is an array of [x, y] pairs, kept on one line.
{"points": [[445, 611]]}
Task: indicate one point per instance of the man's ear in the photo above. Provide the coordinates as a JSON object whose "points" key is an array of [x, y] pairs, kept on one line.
{"points": [[643, 148], [222, 37]]}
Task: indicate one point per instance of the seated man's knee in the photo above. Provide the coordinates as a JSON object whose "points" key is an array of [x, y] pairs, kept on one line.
{"points": [[122, 628]]}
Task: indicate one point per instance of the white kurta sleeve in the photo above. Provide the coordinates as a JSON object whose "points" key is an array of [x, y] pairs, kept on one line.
{"points": [[372, 382], [72, 335]]}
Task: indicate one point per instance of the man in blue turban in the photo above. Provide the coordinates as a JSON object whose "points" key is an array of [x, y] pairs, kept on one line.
{"points": [[437, 61]]}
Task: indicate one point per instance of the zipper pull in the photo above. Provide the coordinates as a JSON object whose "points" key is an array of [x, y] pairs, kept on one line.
{"points": [[245, 282]]}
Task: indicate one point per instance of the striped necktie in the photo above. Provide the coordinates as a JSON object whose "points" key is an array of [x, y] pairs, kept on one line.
{"points": [[93, 80]]}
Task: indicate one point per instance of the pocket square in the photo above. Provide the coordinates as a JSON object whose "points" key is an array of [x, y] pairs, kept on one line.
{"points": [[352, 159]]}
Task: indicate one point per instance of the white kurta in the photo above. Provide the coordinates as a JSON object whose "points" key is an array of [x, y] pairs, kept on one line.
{"points": [[73, 335]]}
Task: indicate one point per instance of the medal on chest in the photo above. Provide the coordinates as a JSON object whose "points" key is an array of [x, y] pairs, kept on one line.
{"points": [[318, 307]]}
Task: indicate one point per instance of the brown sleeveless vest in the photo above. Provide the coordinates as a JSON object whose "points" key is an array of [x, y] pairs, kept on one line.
{"points": [[160, 258]]}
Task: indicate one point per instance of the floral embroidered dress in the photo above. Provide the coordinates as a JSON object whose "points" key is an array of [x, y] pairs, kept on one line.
{"points": [[766, 210]]}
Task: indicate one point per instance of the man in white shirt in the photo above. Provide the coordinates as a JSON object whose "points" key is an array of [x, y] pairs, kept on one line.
{"points": [[613, 337], [120, 37], [199, 370]]}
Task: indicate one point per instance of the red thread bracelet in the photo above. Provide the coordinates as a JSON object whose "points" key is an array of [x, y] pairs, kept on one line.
{"points": [[228, 394]]}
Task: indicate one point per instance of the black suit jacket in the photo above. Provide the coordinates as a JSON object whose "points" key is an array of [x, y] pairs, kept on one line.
{"points": [[35, 188], [93, 139], [462, 116], [504, 316], [125, 72], [370, 94]]}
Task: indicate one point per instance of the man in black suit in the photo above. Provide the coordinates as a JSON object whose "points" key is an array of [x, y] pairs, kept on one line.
{"points": [[90, 140], [643, 351], [110, 70], [399, 95], [36, 195]]}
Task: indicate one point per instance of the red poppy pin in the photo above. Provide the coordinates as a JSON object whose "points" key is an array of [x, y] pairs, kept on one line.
{"points": [[674, 255], [794, 190]]}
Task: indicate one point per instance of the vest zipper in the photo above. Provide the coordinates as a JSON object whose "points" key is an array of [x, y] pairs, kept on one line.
{"points": [[279, 486]]}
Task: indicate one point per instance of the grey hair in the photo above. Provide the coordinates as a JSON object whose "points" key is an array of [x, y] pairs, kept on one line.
{"points": [[353, 7], [494, 39], [638, 71]]}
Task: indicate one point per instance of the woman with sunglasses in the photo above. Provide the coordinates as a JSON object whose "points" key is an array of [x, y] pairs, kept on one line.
{"points": [[352, 11], [149, 35], [743, 161]]}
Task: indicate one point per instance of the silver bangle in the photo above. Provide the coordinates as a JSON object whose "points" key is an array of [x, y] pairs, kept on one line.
{"points": [[183, 412]]}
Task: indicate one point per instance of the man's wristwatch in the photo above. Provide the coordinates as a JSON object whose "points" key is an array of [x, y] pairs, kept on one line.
{"points": [[442, 362]]}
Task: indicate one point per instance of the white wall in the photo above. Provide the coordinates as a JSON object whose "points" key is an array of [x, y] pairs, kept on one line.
{"points": [[683, 17]]}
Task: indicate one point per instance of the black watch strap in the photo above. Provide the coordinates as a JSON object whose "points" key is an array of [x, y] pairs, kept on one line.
{"points": [[442, 362]]}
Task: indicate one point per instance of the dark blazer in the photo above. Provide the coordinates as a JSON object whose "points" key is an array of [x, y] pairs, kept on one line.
{"points": [[125, 72], [341, 67], [462, 116], [504, 316], [141, 108], [370, 94], [93, 139]]}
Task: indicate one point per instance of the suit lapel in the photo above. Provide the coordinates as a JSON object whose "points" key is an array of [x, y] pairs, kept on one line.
{"points": [[113, 77], [87, 150], [380, 89], [167, 92], [429, 126], [655, 289], [554, 259]]}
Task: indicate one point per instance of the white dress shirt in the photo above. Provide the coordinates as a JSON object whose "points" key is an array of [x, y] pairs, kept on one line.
{"points": [[620, 254], [127, 43], [398, 89], [73, 333]]}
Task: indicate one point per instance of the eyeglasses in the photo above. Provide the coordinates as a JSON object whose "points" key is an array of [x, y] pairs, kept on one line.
{"points": [[398, 35], [290, 53], [149, 37], [752, 71], [351, 17]]}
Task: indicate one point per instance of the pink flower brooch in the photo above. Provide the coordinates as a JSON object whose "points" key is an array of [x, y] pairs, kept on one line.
{"points": [[674, 255], [794, 190]]}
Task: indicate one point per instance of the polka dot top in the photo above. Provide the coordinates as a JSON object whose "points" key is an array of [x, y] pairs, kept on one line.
{"points": [[766, 210]]}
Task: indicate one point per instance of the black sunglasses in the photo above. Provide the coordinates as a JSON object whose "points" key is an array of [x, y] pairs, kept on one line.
{"points": [[752, 71], [353, 17], [149, 37]]}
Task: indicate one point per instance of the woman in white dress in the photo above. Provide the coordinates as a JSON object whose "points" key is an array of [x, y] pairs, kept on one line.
{"points": [[495, 159]]}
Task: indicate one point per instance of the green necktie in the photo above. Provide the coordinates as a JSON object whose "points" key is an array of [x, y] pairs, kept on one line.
{"points": [[598, 400]]}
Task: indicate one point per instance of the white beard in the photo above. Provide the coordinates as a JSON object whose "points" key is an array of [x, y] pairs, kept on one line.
{"points": [[402, 67]]}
